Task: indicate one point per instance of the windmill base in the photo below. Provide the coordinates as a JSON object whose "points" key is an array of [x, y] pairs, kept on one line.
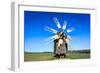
{"points": [[60, 55]]}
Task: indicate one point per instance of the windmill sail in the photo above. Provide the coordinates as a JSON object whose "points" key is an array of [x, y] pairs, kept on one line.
{"points": [[70, 30], [50, 41], [52, 37], [64, 25], [57, 22], [50, 29]]}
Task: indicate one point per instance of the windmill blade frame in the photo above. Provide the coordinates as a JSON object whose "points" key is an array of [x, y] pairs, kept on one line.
{"points": [[64, 25], [57, 22], [69, 37], [51, 30], [70, 30], [52, 37], [49, 41]]}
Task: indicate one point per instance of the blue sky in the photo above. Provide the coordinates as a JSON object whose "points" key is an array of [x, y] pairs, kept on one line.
{"points": [[34, 33]]}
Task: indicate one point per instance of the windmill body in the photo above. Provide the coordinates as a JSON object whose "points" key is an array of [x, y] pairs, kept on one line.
{"points": [[60, 46]]}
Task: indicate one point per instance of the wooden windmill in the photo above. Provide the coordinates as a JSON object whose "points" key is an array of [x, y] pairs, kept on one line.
{"points": [[61, 39]]}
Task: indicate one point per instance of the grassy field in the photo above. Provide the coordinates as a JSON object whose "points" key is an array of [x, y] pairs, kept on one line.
{"points": [[38, 56], [44, 56]]}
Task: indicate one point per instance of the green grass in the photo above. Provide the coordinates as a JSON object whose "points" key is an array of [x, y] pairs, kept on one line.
{"points": [[79, 55], [45, 56], [38, 56]]}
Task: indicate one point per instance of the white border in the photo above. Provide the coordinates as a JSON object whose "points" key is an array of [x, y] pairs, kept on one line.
{"points": [[18, 59]]}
